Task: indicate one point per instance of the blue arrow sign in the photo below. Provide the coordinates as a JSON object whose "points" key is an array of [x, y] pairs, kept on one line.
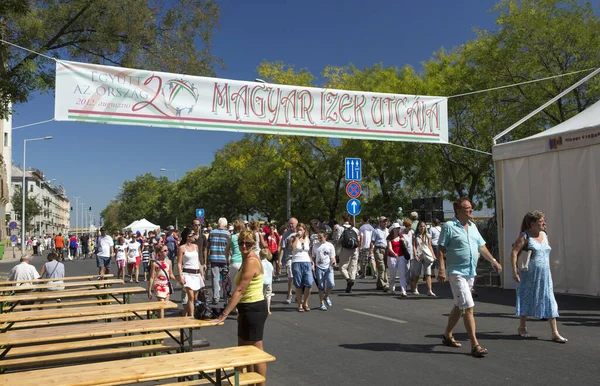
{"points": [[199, 212], [353, 169], [353, 206]]}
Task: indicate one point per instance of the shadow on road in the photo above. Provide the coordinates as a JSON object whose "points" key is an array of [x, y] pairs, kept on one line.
{"points": [[415, 348]]}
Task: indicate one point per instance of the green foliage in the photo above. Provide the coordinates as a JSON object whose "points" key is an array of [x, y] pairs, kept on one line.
{"points": [[159, 35], [32, 208]]}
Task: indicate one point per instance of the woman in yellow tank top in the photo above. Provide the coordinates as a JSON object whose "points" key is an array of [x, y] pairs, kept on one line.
{"points": [[249, 299]]}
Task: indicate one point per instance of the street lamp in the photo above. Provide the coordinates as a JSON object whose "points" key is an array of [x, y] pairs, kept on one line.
{"points": [[24, 188], [174, 172]]}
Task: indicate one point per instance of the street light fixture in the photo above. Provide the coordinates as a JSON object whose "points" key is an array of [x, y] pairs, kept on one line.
{"points": [[24, 187]]}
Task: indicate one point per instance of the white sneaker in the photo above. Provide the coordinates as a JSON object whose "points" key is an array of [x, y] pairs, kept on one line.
{"points": [[328, 302], [416, 292], [403, 294], [288, 300]]}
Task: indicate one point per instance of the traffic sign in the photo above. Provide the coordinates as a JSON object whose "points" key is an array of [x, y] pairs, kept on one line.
{"points": [[13, 239], [353, 207], [353, 169], [201, 219], [199, 212], [14, 232], [13, 225], [353, 189]]}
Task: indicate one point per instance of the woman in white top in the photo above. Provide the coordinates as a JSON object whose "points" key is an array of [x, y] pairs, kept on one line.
{"points": [[259, 241], [421, 242], [53, 269], [134, 257], [302, 266], [188, 262], [435, 232]]}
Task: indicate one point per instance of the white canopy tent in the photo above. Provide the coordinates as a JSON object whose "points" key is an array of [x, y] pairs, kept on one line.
{"points": [[556, 171], [142, 225]]}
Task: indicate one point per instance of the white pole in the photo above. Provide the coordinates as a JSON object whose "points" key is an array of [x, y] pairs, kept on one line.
{"points": [[23, 189]]}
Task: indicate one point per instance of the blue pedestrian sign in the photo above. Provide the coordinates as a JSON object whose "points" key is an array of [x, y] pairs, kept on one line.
{"points": [[353, 169], [13, 225], [353, 207], [13, 239], [199, 212]]}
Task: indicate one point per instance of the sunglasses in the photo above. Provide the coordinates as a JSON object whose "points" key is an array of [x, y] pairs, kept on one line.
{"points": [[246, 244], [164, 250]]}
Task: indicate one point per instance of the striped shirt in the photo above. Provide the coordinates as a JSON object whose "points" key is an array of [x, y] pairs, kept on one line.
{"points": [[218, 239]]}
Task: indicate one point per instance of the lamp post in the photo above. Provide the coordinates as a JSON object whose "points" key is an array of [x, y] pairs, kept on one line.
{"points": [[24, 187], [76, 214], [174, 172]]}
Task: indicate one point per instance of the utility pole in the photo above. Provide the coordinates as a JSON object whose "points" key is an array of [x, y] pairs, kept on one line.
{"points": [[76, 216]]}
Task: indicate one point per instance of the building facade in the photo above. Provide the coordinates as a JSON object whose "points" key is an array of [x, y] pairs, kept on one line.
{"points": [[55, 216]]}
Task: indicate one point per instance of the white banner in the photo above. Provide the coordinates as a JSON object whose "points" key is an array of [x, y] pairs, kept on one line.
{"points": [[103, 94]]}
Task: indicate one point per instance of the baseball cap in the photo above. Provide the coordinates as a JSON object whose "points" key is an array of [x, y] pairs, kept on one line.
{"points": [[102, 229], [382, 218], [170, 228]]}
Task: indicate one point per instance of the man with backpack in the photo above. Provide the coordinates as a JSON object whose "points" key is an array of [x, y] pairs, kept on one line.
{"points": [[349, 243]]}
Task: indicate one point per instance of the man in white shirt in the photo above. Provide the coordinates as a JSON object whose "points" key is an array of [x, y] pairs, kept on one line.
{"points": [[23, 271], [365, 255], [323, 254], [106, 251]]}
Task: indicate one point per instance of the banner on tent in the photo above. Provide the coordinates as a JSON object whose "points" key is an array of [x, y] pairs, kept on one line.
{"points": [[103, 94]]}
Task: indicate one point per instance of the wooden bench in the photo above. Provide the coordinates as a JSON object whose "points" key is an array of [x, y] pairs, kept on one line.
{"points": [[137, 370], [66, 278], [97, 302], [244, 379], [36, 287], [7, 303], [30, 337], [75, 314]]}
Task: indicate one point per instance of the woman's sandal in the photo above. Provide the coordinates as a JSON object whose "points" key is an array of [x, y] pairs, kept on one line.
{"points": [[450, 341], [559, 339], [300, 309], [523, 334], [478, 351], [306, 308]]}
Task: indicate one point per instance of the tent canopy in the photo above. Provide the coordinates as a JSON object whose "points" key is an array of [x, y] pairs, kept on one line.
{"points": [[557, 172], [142, 225]]}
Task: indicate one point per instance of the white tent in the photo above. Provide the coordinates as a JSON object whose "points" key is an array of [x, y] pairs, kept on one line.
{"points": [[556, 171], [142, 225]]}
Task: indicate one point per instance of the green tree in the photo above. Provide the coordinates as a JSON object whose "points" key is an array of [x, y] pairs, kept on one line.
{"points": [[159, 35], [32, 208], [112, 217], [147, 196]]}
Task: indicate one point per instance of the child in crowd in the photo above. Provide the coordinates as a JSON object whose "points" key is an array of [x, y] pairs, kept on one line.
{"points": [[323, 253], [146, 260], [265, 258], [161, 273], [121, 252]]}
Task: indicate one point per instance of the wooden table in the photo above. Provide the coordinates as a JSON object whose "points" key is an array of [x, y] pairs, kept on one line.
{"points": [[36, 287], [10, 318], [12, 300], [30, 337], [66, 278], [137, 370]]}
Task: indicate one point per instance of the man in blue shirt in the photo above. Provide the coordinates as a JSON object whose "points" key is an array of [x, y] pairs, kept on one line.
{"points": [[460, 245]]}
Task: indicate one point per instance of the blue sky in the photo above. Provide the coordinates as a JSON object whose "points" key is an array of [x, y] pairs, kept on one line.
{"points": [[93, 160]]}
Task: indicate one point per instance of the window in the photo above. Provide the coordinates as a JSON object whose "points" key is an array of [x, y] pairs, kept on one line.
{"points": [[30, 188]]}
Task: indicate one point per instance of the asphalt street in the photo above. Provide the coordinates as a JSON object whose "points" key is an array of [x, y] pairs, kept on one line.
{"points": [[372, 338]]}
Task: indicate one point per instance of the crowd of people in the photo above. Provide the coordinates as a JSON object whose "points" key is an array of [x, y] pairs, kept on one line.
{"points": [[254, 255]]}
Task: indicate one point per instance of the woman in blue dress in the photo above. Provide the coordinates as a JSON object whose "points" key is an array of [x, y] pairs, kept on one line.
{"points": [[535, 293]]}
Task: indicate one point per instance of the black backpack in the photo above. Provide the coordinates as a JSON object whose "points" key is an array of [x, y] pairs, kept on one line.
{"points": [[349, 239]]}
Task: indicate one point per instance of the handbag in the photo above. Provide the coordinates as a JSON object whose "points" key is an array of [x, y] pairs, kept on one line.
{"points": [[426, 255], [524, 256], [202, 311]]}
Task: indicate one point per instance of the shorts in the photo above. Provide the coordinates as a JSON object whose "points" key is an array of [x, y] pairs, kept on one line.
{"points": [[461, 291], [251, 320], [325, 278], [416, 267], [120, 263], [288, 268], [103, 261], [138, 260], [268, 291], [303, 275], [146, 265]]}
